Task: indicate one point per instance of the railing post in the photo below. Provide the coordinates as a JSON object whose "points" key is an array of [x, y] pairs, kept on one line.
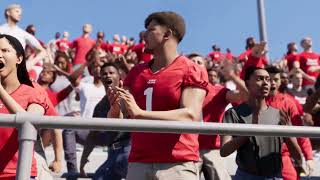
{"points": [[27, 137], [262, 23]]}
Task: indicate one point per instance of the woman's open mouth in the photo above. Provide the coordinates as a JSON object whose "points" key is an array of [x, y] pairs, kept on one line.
{"points": [[1, 65]]}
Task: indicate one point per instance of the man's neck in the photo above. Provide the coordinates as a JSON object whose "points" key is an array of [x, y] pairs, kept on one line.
{"points": [[258, 104], [43, 84], [85, 35], [97, 82], [273, 95], [164, 57], [11, 23], [309, 50]]}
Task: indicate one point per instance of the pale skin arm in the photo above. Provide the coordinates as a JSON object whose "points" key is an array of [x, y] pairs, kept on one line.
{"points": [[41, 53], [306, 76], [238, 95], [55, 166], [190, 108]]}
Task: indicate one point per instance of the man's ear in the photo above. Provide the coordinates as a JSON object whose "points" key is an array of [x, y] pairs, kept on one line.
{"points": [[7, 13], [168, 33]]}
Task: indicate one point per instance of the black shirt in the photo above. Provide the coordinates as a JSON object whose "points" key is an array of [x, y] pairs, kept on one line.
{"points": [[109, 137]]}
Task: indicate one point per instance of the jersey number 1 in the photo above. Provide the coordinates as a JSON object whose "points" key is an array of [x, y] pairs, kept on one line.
{"points": [[148, 93]]}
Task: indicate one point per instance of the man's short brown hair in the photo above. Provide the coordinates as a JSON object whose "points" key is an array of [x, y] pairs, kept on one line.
{"points": [[170, 19]]}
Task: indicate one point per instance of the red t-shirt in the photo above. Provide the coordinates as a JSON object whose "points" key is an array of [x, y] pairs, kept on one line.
{"points": [[51, 111], [213, 110], [82, 46], [57, 97], [229, 56], [63, 45], [139, 50], [117, 48], [162, 91], [258, 62], [291, 58], [286, 102], [244, 56], [308, 59], [24, 96], [215, 56]]}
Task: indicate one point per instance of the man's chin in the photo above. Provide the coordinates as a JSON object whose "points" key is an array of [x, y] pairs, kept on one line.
{"points": [[272, 93]]}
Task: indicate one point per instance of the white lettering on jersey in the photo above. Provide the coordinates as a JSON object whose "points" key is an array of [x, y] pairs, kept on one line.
{"points": [[312, 62]]}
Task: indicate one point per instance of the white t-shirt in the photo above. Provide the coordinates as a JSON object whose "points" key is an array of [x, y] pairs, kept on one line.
{"points": [[24, 37], [90, 95], [69, 104]]}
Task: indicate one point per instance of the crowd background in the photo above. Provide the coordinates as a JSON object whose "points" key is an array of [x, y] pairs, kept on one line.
{"points": [[226, 23]]}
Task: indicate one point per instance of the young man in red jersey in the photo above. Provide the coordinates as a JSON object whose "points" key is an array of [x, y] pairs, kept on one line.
{"points": [[287, 103], [309, 63], [292, 57], [162, 89], [82, 46]]}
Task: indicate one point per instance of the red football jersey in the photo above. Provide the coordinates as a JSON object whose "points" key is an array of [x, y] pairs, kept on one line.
{"points": [[24, 96], [161, 91], [213, 110], [308, 59], [291, 58], [63, 45]]}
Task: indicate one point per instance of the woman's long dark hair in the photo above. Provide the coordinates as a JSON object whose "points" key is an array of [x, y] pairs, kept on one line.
{"points": [[22, 72]]}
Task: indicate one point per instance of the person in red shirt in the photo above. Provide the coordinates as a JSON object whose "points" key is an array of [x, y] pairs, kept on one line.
{"points": [[102, 46], [64, 44], [250, 42], [285, 102], [139, 50], [256, 57], [168, 76], [217, 99], [292, 57], [229, 56], [16, 95], [46, 78], [309, 63], [116, 47], [82, 46], [215, 55]]}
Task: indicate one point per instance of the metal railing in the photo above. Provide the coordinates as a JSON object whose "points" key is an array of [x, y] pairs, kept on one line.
{"points": [[29, 123]]}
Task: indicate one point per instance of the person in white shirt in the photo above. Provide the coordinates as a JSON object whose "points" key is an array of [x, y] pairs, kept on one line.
{"points": [[90, 94], [13, 15]]}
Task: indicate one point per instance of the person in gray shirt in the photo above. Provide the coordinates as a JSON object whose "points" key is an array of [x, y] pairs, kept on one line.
{"points": [[258, 157]]}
